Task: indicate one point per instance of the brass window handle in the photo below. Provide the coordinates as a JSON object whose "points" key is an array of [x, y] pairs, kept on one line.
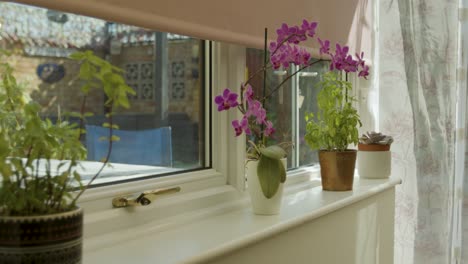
{"points": [[145, 198]]}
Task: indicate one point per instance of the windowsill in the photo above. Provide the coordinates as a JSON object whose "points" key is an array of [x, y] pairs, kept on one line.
{"points": [[203, 235]]}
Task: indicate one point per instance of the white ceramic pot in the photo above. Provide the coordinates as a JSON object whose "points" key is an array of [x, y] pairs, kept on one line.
{"points": [[374, 164], [260, 204]]}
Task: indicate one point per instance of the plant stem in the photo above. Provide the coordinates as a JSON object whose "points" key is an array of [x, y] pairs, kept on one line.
{"points": [[28, 161], [7, 84], [106, 160], [263, 68], [80, 127], [36, 176], [241, 108], [50, 189], [265, 61], [346, 88]]}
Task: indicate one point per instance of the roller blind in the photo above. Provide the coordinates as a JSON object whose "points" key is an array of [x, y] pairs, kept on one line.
{"points": [[239, 21]]}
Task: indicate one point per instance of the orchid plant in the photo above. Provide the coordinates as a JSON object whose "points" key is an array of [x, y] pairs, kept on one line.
{"points": [[283, 53]]}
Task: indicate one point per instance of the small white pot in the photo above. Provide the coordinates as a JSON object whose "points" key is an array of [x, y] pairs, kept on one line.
{"points": [[260, 204], [374, 164]]}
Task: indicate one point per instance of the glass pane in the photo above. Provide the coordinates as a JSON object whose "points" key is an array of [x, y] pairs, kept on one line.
{"points": [[161, 132], [287, 107]]}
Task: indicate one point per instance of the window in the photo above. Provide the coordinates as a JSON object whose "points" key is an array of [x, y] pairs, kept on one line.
{"points": [[176, 78], [288, 106], [164, 130]]}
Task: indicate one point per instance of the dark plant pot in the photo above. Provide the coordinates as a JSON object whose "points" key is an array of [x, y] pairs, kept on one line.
{"points": [[373, 147], [337, 169], [51, 239]]}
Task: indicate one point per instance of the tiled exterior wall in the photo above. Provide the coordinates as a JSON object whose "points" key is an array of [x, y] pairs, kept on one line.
{"points": [[183, 81]]}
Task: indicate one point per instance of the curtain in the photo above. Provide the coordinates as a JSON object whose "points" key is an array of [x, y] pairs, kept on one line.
{"points": [[418, 91]]}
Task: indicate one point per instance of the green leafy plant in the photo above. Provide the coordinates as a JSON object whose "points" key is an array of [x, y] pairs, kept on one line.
{"points": [[335, 126], [38, 158]]}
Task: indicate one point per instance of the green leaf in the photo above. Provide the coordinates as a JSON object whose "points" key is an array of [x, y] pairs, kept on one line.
{"points": [[128, 89], [123, 100], [117, 79], [274, 152], [114, 126], [76, 176], [86, 73], [73, 114], [115, 138], [77, 56], [271, 173]]}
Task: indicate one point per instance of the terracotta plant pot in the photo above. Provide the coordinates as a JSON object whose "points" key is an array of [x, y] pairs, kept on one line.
{"points": [[337, 169], [373, 147], [51, 239]]}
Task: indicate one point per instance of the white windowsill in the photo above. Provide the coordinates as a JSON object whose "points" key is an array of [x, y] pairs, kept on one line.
{"points": [[203, 235]]}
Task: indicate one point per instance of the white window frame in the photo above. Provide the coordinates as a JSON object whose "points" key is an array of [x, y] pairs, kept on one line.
{"points": [[223, 183], [223, 149]]}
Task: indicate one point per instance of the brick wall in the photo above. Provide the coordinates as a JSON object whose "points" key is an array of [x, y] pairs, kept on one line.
{"points": [[64, 93]]}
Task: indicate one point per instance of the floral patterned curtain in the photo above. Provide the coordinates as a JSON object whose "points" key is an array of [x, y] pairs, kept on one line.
{"points": [[418, 45]]}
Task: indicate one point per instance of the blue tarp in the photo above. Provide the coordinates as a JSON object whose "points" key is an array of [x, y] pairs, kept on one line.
{"points": [[141, 147]]}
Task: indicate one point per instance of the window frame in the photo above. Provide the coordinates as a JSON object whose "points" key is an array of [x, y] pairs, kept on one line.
{"points": [[222, 181], [215, 174]]}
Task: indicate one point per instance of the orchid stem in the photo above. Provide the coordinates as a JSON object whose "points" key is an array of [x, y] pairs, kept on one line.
{"points": [[289, 77], [346, 88], [265, 61]]}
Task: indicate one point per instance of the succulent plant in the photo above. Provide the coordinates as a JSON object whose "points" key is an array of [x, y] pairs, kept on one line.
{"points": [[375, 138]]}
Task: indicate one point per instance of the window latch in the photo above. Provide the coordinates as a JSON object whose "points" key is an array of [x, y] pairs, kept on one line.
{"points": [[145, 198]]}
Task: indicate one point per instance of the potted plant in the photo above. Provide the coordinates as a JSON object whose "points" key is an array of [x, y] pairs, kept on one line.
{"points": [[334, 127], [40, 221], [374, 156], [266, 163]]}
